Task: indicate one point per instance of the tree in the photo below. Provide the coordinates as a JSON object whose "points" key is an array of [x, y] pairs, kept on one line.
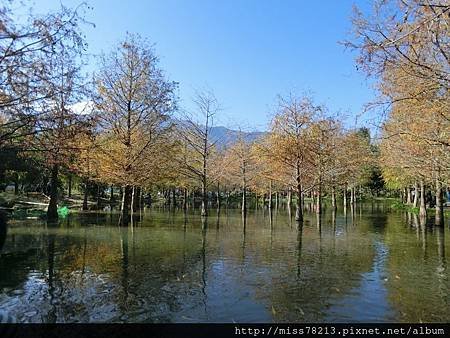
{"points": [[196, 134], [134, 102], [288, 144], [239, 164], [26, 46]]}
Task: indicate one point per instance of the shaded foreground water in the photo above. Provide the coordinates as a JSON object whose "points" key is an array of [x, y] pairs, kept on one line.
{"points": [[372, 264]]}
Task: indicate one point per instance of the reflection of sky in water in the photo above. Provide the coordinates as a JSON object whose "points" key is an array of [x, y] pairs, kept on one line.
{"points": [[370, 266], [367, 302]]}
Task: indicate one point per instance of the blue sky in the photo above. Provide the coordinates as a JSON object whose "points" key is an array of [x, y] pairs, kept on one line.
{"points": [[246, 51]]}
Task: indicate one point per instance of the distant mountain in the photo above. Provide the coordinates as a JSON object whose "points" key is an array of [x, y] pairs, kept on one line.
{"points": [[225, 137]]}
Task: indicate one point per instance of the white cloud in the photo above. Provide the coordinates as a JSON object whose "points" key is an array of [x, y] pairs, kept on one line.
{"points": [[83, 107]]}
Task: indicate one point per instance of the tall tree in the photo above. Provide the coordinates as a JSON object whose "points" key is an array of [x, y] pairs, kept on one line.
{"points": [[196, 133], [134, 102]]}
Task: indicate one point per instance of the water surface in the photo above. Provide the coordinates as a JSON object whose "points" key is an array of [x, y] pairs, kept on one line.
{"points": [[372, 264]]}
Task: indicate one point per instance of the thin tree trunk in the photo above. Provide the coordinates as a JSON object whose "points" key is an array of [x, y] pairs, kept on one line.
{"points": [[98, 194], [319, 197], [69, 193], [111, 196], [85, 196], [16, 183], [270, 194], [416, 195], [423, 209], [299, 211], [408, 196], [289, 197], [218, 195], [133, 200], [52, 211], [126, 200], [345, 196], [204, 211], [333, 198], [439, 216], [244, 200], [174, 197], [185, 199]]}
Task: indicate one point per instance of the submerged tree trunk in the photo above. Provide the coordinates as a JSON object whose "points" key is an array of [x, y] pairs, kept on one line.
{"points": [[333, 198], [319, 200], [244, 200], [133, 200], [270, 194], [416, 195], [204, 211], [299, 211], [289, 198], [344, 195], [423, 209], [126, 200], [408, 196], [69, 192], [218, 196], [52, 211], [439, 216], [98, 194], [174, 197], [185, 199], [85, 195], [16, 183]]}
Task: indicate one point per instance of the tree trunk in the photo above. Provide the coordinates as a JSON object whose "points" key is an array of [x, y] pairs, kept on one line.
{"points": [[408, 196], [16, 183], [69, 192], [319, 199], [126, 200], [344, 195], [439, 216], [244, 200], [133, 200], [52, 211], [204, 211], [270, 194], [85, 196], [136, 198], [98, 194], [185, 199], [333, 198], [111, 194], [289, 197], [299, 211], [423, 209], [416, 195], [218, 195], [174, 197]]}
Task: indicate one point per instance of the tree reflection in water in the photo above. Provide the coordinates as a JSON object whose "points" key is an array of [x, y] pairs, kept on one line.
{"points": [[170, 266]]}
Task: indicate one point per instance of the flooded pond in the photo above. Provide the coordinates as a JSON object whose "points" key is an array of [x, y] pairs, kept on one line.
{"points": [[372, 264]]}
